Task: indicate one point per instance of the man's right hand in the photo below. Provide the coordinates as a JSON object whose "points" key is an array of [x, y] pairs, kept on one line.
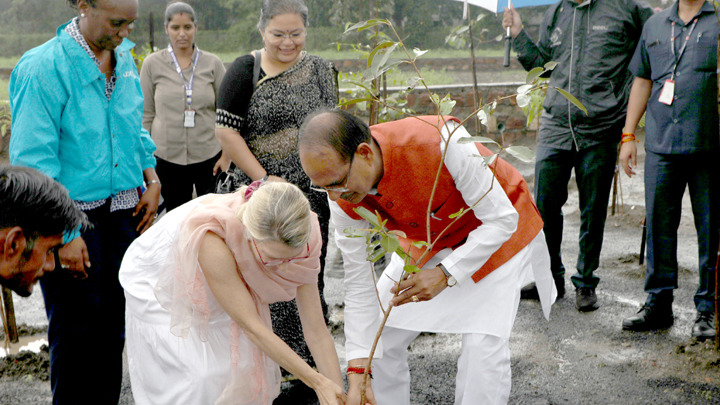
{"points": [[74, 257], [511, 19], [354, 387], [628, 157]]}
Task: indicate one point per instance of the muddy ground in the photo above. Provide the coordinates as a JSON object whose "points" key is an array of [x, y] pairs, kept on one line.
{"points": [[576, 358]]}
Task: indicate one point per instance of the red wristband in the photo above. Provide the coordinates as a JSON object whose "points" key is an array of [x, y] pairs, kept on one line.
{"points": [[358, 370]]}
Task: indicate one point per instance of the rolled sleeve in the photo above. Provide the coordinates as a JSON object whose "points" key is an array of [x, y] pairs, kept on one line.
{"points": [[492, 206], [362, 311]]}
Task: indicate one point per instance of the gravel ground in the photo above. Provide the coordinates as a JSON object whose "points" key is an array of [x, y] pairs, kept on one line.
{"points": [[575, 358]]}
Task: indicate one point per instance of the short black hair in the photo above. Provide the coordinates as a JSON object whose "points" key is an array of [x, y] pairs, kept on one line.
{"points": [[338, 128], [36, 203]]}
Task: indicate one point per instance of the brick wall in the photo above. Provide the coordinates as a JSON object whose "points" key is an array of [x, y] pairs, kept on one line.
{"points": [[507, 122]]}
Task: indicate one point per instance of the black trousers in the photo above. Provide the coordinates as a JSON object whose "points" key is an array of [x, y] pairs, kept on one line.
{"points": [[178, 180], [87, 317]]}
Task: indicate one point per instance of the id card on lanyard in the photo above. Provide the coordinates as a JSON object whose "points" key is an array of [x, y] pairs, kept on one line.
{"points": [[189, 113], [667, 94]]}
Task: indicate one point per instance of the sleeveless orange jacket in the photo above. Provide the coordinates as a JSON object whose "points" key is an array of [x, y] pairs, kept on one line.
{"points": [[411, 156]]}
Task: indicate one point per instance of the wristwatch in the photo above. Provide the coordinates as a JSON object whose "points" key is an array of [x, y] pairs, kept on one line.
{"points": [[450, 279]]}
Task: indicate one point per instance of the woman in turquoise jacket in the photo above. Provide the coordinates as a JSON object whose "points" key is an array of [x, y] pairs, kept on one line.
{"points": [[77, 113]]}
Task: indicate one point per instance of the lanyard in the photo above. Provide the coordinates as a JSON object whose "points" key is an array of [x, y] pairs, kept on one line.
{"points": [[189, 85], [682, 50]]}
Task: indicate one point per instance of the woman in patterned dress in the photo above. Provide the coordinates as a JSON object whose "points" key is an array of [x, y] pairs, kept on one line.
{"points": [[257, 126]]}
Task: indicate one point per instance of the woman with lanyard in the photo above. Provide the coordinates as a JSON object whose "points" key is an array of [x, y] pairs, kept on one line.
{"points": [[180, 85]]}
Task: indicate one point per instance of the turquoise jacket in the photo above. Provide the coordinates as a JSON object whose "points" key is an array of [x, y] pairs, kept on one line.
{"points": [[64, 126]]}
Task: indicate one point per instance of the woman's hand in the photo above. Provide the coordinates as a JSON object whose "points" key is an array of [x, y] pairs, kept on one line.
{"points": [[74, 257], [222, 165], [148, 207], [355, 386], [329, 393]]}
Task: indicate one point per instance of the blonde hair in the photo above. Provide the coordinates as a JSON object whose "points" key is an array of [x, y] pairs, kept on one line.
{"points": [[277, 212]]}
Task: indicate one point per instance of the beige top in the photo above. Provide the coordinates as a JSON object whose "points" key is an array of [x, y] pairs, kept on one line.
{"points": [[165, 104]]}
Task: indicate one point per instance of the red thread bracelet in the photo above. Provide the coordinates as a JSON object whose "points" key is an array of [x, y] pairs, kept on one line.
{"points": [[357, 370]]}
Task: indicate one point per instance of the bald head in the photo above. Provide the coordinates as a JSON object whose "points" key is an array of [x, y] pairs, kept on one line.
{"points": [[340, 130]]}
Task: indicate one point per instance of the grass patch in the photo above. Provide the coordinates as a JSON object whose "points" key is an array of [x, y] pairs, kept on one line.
{"points": [[8, 62], [4, 89]]}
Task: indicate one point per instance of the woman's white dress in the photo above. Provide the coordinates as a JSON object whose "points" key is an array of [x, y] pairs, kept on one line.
{"points": [[197, 367]]}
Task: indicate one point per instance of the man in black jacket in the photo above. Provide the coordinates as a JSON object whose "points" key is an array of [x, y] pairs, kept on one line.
{"points": [[592, 41]]}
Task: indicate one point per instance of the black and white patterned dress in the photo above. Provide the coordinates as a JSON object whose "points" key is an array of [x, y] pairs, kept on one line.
{"points": [[268, 119]]}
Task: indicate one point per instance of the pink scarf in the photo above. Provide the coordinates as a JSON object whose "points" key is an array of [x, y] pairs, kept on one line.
{"points": [[255, 378]]}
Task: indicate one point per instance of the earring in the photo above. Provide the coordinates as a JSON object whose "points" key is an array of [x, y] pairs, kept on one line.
{"points": [[82, 15]]}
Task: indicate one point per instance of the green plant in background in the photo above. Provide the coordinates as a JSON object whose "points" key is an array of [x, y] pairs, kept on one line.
{"points": [[380, 60], [139, 56], [458, 36], [5, 122]]}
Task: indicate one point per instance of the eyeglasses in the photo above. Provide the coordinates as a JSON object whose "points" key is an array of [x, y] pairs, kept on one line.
{"points": [[334, 189], [277, 36], [277, 262]]}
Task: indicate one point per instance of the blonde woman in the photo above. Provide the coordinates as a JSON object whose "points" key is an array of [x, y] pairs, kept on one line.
{"points": [[198, 285]]}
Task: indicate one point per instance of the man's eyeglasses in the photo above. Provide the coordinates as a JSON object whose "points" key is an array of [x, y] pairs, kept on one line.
{"points": [[334, 189], [277, 262]]}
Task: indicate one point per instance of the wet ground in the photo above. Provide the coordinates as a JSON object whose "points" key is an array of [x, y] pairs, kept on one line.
{"points": [[575, 358]]}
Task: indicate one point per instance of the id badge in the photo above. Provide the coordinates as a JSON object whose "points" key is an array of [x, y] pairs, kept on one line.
{"points": [[189, 119], [667, 93]]}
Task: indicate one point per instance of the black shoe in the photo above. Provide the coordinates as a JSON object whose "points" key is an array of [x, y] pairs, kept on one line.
{"points": [[529, 292], [649, 317], [585, 299], [704, 327], [560, 285]]}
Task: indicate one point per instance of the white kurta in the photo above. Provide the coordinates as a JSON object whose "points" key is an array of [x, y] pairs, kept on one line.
{"points": [[488, 306]]}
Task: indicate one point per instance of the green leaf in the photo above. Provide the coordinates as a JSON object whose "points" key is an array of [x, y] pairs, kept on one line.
{"points": [[524, 89], [354, 101], [362, 85], [409, 268], [521, 152], [363, 25], [379, 49], [523, 100], [483, 116], [420, 244], [490, 159], [375, 255], [386, 54], [3, 129], [367, 215], [534, 74], [456, 214], [390, 244], [572, 99], [473, 139], [446, 105], [354, 233], [550, 65]]}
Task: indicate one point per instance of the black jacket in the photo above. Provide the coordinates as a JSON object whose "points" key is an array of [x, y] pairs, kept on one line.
{"points": [[592, 43]]}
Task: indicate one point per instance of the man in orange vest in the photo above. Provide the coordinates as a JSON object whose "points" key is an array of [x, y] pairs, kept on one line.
{"points": [[469, 283]]}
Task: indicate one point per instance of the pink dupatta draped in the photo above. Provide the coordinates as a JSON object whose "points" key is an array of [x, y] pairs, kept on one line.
{"points": [[183, 291]]}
